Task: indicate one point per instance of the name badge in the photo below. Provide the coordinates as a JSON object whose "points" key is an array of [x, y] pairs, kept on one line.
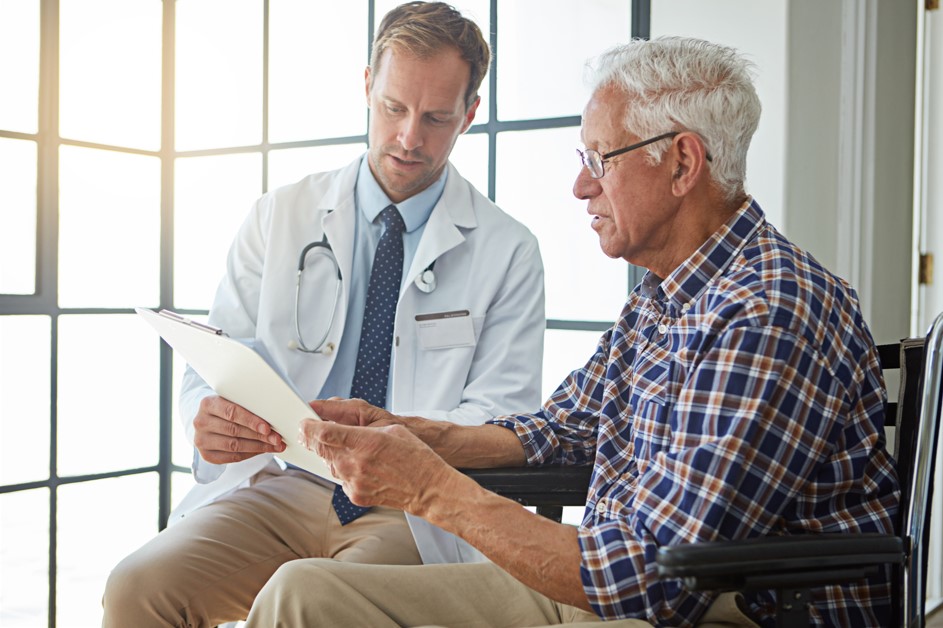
{"points": [[444, 330]]}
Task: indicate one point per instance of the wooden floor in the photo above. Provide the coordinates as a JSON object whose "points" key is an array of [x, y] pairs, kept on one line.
{"points": [[935, 620]]}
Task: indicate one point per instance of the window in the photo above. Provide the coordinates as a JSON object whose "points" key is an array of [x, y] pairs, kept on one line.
{"points": [[126, 176]]}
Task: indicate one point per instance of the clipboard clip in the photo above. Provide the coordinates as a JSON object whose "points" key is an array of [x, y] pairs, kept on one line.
{"points": [[192, 323]]}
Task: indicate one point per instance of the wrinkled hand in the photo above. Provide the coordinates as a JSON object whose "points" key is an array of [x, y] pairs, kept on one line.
{"points": [[353, 412], [226, 432], [386, 466]]}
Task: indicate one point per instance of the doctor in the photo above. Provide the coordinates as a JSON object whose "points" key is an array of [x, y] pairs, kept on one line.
{"points": [[466, 339]]}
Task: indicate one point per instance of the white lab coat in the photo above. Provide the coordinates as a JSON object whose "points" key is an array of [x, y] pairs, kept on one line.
{"points": [[485, 262]]}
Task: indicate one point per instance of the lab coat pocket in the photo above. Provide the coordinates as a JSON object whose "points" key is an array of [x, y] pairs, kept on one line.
{"points": [[444, 361], [445, 330]]}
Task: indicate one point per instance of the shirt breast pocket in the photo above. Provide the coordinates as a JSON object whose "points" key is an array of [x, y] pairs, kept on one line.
{"points": [[654, 398]]}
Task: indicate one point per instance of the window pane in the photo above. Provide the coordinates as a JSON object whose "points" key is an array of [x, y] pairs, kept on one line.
{"points": [[19, 74], [18, 216], [470, 156], [566, 350], [311, 98], [293, 164], [219, 73], [180, 485], [24, 558], [212, 197], [99, 523], [182, 449], [540, 63], [767, 47], [536, 171], [108, 382], [110, 72], [24, 398], [109, 228], [478, 11]]}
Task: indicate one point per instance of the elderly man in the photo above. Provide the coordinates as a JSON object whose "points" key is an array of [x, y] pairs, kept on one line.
{"points": [[737, 395]]}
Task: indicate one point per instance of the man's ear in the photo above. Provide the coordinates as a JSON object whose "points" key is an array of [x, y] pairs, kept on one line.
{"points": [[689, 157], [366, 84], [470, 115]]}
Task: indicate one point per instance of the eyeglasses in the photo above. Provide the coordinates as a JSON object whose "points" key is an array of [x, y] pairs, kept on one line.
{"points": [[595, 162]]}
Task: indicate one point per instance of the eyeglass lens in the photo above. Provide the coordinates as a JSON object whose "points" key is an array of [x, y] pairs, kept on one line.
{"points": [[593, 162]]}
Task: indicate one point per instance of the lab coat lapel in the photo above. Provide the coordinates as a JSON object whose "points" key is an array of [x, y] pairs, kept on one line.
{"points": [[455, 209], [339, 224]]}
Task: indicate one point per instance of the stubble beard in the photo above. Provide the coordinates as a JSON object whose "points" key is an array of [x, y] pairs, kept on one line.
{"points": [[405, 185]]}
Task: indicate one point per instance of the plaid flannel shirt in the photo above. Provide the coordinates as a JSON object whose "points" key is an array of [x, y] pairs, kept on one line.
{"points": [[739, 397]]}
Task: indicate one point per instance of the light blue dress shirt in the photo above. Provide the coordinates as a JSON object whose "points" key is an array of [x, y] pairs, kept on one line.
{"points": [[369, 201]]}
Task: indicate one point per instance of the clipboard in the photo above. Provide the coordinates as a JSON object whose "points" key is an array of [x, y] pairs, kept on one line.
{"points": [[242, 375]]}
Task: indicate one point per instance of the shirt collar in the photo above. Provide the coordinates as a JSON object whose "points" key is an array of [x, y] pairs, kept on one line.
{"points": [[415, 210], [711, 259]]}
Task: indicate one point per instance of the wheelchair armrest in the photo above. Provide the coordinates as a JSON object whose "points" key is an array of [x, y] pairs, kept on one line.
{"points": [[536, 486], [779, 562]]}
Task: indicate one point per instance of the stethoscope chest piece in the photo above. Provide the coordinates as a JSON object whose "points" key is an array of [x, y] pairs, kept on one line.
{"points": [[426, 281]]}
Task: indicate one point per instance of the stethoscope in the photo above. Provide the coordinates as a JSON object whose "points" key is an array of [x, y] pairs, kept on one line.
{"points": [[426, 282]]}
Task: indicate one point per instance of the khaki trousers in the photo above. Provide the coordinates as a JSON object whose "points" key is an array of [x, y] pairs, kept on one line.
{"points": [[208, 568], [325, 593]]}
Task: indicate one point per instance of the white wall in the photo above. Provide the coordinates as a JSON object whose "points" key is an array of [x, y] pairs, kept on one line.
{"points": [[731, 22], [929, 238], [831, 163], [849, 149], [931, 182]]}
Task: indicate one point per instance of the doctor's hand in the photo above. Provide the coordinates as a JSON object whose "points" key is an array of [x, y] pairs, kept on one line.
{"points": [[387, 466], [226, 432]]}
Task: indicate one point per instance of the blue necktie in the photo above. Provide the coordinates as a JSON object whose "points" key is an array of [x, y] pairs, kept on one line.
{"points": [[376, 336]]}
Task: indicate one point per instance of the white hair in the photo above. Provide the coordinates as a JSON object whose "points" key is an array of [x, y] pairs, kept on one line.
{"points": [[683, 84]]}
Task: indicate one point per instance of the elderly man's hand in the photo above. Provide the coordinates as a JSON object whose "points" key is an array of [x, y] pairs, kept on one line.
{"points": [[353, 412], [386, 466]]}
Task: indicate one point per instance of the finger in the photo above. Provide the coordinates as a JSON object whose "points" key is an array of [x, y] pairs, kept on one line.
{"points": [[209, 425], [226, 457], [307, 440], [304, 439], [314, 433], [343, 411], [207, 442], [234, 413]]}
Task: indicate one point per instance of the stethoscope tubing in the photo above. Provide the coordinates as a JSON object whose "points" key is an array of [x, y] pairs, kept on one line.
{"points": [[329, 253], [426, 282]]}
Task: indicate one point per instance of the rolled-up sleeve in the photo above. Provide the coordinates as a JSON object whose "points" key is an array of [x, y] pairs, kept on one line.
{"points": [[563, 432]]}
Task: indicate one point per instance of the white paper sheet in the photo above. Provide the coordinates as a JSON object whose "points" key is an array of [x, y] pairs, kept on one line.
{"points": [[240, 374]]}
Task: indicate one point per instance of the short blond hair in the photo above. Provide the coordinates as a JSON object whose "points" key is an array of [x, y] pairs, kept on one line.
{"points": [[425, 28]]}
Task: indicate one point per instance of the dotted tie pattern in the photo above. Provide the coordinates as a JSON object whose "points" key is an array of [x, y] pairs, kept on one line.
{"points": [[376, 337]]}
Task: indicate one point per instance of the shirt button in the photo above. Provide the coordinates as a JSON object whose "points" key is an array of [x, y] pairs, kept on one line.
{"points": [[662, 329], [685, 307], [601, 506]]}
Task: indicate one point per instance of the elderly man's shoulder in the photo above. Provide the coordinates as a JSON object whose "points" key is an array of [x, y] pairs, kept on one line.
{"points": [[776, 283]]}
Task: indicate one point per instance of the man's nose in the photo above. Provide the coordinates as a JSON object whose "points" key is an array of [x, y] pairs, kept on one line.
{"points": [[585, 186], [410, 133]]}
